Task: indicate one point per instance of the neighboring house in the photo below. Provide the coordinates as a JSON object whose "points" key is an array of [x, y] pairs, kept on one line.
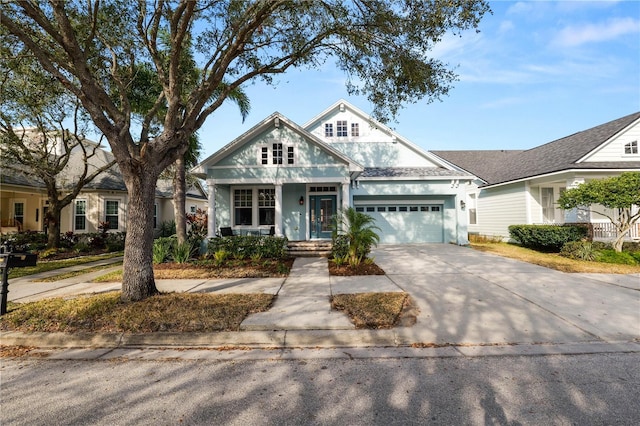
{"points": [[521, 187], [297, 178], [23, 200]]}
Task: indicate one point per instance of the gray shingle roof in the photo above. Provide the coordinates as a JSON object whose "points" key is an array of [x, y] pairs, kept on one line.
{"points": [[410, 172], [562, 154]]}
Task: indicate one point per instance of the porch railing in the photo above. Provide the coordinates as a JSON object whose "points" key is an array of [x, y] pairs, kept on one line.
{"points": [[608, 231]]}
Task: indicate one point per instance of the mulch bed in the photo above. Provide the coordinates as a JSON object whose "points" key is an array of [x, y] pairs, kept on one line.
{"points": [[231, 269], [362, 269]]}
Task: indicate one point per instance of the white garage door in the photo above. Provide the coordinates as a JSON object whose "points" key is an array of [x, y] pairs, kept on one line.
{"points": [[406, 223]]}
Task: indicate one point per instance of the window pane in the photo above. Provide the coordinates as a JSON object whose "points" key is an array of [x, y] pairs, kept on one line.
{"points": [[112, 214], [267, 216], [80, 218], [341, 128], [277, 153], [355, 130], [290, 155], [243, 216], [264, 155], [328, 130]]}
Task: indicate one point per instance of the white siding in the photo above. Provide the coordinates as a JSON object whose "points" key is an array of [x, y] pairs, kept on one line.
{"points": [[500, 207], [613, 150]]}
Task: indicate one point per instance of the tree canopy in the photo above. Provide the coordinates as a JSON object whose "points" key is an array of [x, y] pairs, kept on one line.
{"points": [[97, 49], [619, 193]]}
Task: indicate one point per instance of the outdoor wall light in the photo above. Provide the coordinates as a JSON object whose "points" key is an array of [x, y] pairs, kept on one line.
{"points": [[301, 200], [462, 204]]}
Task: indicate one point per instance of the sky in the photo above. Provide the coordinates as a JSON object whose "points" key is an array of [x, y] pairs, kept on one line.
{"points": [[537, 71]]}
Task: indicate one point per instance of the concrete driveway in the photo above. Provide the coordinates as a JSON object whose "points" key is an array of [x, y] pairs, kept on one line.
{"points": [[467, 296]]}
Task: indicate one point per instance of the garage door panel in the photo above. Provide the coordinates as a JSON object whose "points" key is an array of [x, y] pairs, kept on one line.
{"points": [[424, 225]]}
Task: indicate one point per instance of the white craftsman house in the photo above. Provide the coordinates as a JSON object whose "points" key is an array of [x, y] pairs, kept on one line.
{"points": [[521, 187]]}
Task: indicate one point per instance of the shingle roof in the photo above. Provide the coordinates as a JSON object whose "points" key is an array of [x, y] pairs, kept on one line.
{"points": [[562, 154], [410, 172], [487, 165]]}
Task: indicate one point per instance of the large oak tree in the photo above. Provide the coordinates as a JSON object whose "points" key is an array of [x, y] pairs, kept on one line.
{"points": [[94, 47]]}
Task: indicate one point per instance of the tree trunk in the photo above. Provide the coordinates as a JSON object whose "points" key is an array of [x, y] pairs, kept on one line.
{"points": [[179, 200], [52, 219], [137, 279], [622, 231]]}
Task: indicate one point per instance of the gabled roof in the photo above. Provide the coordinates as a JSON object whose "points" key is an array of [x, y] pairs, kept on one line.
{"points": [[496, 167], [343, 104], [275, 119]]}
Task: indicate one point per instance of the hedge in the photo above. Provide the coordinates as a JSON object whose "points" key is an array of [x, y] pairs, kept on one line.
{"points": [[547, 237], [244, 247]]}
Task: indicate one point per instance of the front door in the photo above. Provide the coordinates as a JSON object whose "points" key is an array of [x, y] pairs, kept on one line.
{"points": [[321, 211]]}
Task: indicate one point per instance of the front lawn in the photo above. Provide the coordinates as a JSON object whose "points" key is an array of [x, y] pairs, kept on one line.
{"points": [[553, 260]]}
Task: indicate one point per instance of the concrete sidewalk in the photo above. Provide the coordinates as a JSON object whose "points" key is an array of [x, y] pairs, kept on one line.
{"points": [[464, 298]]}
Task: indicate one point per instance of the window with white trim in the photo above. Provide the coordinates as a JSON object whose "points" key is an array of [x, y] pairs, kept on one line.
{"points": [[355, 129], [266, 206], [243, 206], [290, 155], [328, 130], [546, 201], [631, 148], [111, 210], [80, 215], [277, 153], [264, 155], [472, 206], [18, 213], [341, 128]]}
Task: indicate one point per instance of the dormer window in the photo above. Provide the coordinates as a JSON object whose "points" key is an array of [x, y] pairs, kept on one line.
{"points": [[328, 130], [355, 130], [342, 128], [631, 148]]}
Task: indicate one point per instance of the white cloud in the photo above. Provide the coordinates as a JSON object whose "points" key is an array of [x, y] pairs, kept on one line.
{"points": [[575, 35], [505, 26]]}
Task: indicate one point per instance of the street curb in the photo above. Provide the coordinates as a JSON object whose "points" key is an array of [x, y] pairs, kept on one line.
{"points": [[305, 340]]}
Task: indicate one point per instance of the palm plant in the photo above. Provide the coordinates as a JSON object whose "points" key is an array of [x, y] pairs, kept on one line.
{"points": [[360, 230]]}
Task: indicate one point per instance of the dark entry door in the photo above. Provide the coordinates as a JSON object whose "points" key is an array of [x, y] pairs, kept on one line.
{"points": [[321, 211]]}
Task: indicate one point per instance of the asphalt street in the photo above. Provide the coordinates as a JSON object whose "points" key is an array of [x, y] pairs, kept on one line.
{"points": [[590, 389]]}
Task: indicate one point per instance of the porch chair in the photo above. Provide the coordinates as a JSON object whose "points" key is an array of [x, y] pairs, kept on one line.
{"points": [[226, 231]]}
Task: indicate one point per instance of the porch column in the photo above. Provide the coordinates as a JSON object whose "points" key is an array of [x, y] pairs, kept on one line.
{"points": [[211, 208], [345, 196], [278, 215]]}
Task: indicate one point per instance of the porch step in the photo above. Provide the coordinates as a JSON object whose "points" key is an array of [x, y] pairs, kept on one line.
{"points": [[320, 248]]}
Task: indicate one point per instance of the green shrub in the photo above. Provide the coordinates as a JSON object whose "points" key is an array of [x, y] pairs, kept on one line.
{"points": [[631, 246], [182, 252], [547, 237], [115, 241], [579, 250], [220, 257], [267, 247], [340, 248], [161, 249], [622, 258]]}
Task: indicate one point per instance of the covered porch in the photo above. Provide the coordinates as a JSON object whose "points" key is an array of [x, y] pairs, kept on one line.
{"points": [[299, 210]]}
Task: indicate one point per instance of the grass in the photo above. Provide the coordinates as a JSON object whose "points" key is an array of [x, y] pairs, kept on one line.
{"points": [[72, 274], [171, 312], [371, 310], [553, 260], [50, 265]]}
